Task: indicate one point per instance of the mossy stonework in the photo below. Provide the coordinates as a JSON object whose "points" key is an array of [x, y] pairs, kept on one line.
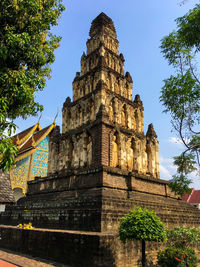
{"points": [[99, 167]]}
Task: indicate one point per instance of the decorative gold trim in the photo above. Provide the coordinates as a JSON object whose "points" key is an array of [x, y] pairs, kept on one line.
{"points": [[53, 125], [20, 142], [30, 152], [24, 155], [33, 142]]}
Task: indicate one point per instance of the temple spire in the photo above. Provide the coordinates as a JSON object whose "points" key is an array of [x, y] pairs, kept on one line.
{"points": [[151, 132], [102, 23]]}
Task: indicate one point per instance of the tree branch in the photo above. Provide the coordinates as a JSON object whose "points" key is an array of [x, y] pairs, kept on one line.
{"points": [[192, 71]]}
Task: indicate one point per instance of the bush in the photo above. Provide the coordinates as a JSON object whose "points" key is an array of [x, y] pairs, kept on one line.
{"points": [[177, 257], [141, 224], [183, 237]]}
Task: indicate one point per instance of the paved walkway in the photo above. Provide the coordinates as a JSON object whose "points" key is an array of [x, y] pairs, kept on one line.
{"points": [[6, 264], [14, 259]]}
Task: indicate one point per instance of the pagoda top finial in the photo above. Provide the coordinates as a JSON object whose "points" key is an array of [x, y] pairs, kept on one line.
{"points": [[151, 132], [100, 23]]}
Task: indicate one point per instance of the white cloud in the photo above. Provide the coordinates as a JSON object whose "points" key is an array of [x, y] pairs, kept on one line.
{"points": [[194, 176], [178, 141], [175, 140], [164, 173], [167, 169]]}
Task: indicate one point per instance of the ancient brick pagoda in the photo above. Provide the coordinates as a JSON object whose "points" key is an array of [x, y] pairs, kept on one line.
{"points": [[103, 126], [101, 165]]}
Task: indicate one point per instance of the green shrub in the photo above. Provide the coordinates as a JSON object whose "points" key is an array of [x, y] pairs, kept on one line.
{"points": [[177, 257], [183, 237], [142, 224]]}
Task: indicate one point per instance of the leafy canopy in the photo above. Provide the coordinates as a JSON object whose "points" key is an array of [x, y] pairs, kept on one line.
{"points": [[141, 224], [183, 237], [26, 52], [180, 94]]}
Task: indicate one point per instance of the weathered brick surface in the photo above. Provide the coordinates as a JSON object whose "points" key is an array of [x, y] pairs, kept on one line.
{"points": [[96, 201], [6, 193], [77, 248]]}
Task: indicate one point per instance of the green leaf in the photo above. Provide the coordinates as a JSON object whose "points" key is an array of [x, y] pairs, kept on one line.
{"points": [[26, 52], [141, 224]]}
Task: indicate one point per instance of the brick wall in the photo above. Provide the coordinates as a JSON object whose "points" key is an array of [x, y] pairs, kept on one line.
{"points": [[77, 248]]}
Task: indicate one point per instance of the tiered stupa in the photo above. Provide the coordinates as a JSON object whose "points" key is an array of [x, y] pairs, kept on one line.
{"points": [[99, 167]]}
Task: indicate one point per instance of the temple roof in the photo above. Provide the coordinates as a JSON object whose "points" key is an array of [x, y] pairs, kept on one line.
{"points": [[101, 22], [27, 140], [193, 197], [22, 137], [6, 193]]}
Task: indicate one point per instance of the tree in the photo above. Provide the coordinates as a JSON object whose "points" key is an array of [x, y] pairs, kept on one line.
{"points": [[181, 94], [26, 52], [141, 224]]}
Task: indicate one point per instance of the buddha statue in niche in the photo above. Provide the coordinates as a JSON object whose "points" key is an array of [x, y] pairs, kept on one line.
{"points": [[115, 152]]}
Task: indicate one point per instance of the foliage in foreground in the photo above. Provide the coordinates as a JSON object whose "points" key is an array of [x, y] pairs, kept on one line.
{"points": [[26, 52], [141, 224], [177, 257], [180, 94], [183, 237], [181, 240]]}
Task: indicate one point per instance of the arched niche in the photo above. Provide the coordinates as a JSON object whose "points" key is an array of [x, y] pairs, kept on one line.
{"points": [[89, 149], [124, 116], [109, 81], [79, 115], [149, 157], [137, 124], [18, 193], [112, 110], [69, 119], [78, 90], [91, 107], [125, 91], [133, 124], [117, 86], [134, 151], [86, 152], [81, 91], [116, 150], [70, 154]]}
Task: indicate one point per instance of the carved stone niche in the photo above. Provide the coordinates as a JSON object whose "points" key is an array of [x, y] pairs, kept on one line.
{"points": [[124, 116], [116, 150], [112, 110], [70, 154], [149, 158], [91, 108], [79, 151]]}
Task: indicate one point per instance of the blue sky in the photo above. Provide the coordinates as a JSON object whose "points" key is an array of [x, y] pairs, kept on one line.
{"points": [[140, 26]]}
